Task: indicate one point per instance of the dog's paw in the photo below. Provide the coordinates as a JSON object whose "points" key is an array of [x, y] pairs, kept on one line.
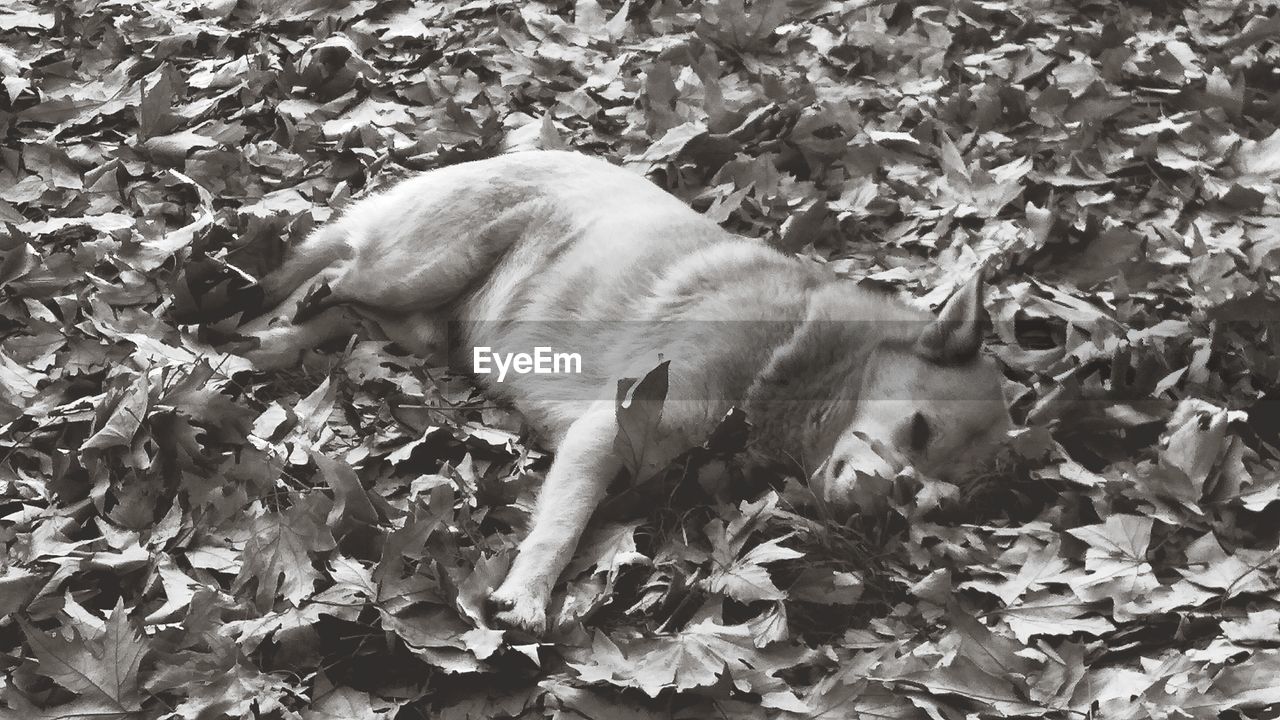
{"points": [[516, 607], [270, 349]]}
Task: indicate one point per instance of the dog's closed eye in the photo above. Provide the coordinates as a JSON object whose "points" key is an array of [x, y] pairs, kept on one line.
{"points": [[921, 432]]}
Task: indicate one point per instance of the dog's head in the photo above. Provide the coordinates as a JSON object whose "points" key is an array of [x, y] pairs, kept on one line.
{"points": [[934, 403]]}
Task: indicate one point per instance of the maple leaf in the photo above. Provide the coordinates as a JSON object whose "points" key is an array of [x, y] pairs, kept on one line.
{"points": [[694, 657], [978, 190], [479, 584], [234, 690], [639, 415], [353, 510], [1037, 567], [344, 703], [1258, 626], [179, 589], [829, 587], [442, 638], [17, 587], [742, 575], [1052, 614], [1196, 440], [963, 678], [278, 552], [608, 549], [1249, 684], [594, 703], [745, 578], [841, 694], [125, 409], [1116, 561], [78, 709], [101, 667], [737, 25], [1211, 567]]}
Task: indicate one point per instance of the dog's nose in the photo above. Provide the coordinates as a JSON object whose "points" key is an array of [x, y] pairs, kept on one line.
{"points": [[837, 485], [856, 476]]}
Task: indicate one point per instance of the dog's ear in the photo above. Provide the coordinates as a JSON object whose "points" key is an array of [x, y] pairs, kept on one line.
{"points": [[955, 336]]}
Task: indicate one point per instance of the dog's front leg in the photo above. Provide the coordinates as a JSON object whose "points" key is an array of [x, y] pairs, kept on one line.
{"points": [[584, 465]]}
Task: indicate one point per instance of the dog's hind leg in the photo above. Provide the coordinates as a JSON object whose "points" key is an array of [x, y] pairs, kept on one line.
{"points": [[423, 334], [280, 341], [451, 246], [304, 263], [281, 345]]}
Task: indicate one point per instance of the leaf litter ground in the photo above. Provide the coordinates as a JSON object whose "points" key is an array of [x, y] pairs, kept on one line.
{"points": [[186, 538]]}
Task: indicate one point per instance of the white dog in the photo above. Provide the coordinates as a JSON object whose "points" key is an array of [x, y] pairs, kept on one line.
{"points": [[559, 250]]}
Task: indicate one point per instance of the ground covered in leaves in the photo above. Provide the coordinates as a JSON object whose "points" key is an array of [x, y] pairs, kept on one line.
{"points": [[183, 537]]}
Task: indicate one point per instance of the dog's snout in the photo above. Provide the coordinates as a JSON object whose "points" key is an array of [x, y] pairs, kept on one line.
{"points": [[838, 481], [855, 474], [838, 466]]}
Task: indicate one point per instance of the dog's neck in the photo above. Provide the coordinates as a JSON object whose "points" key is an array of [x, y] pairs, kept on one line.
{"points": [[808, 391]]}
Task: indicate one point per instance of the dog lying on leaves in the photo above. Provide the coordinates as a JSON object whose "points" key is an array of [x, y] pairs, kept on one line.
{"points": [[559, 250]]}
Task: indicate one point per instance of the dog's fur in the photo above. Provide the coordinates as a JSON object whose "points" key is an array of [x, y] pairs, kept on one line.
{"points": [[559, 250]]}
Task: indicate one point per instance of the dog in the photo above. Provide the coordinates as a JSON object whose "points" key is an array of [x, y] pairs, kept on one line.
{"points": [[558, 251]]}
